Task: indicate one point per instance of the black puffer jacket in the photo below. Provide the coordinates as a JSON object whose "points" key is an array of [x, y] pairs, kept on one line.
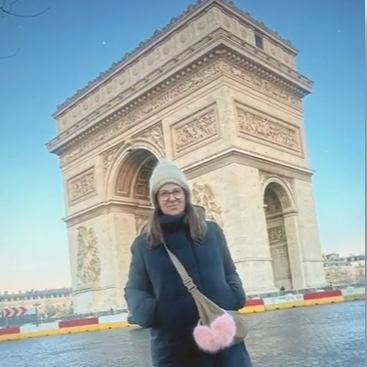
{"points": [[158, 299]]}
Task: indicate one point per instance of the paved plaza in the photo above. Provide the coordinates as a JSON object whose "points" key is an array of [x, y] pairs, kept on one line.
{"points": [[325, 336]]}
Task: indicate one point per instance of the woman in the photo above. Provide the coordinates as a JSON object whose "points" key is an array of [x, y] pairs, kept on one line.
{"points": [[155, 293]]}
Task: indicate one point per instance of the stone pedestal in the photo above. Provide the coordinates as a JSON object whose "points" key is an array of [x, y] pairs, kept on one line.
{"points": [[92, 257]]}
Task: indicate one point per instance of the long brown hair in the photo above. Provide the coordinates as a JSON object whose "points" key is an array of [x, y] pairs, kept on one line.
{"points": [[194, 217]]}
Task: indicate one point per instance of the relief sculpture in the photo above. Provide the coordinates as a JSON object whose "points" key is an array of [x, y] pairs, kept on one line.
{"points": [[203, 195], [81, 185], [155, 136], [109, 155], [131, 115], [262, 128], [276, 234], [120, 124], [88, 261], [195, 131]]}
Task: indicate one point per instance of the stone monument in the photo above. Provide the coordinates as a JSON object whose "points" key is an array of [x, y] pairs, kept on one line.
{"points": [[218, 93]]}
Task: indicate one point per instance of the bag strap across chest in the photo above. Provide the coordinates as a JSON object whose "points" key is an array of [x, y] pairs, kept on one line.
{"points": [[186, 279]]}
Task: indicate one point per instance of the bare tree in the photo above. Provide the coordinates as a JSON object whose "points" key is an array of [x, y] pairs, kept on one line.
{"points": [[8, 8], [10, 55]]}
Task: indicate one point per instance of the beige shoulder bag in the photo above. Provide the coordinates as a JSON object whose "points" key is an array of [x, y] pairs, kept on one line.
{"points": [[217, 328]]}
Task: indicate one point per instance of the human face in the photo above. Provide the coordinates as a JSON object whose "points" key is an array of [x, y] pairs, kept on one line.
{"points": [[171, 199]]}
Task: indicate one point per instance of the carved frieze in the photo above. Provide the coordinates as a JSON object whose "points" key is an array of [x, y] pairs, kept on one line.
{"points": [[264, 128], [123, 120], [134, 73], [195, 130], [172, 46], [195, 80], [155, 136], [88, 260], [81, 186], [262, 85], [109, 155], [203, 195], [276, 234], [204, 75]]}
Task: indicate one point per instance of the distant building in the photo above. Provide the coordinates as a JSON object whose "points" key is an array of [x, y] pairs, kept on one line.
{"points": [[335, 260], [344, 269], [49, 302]]}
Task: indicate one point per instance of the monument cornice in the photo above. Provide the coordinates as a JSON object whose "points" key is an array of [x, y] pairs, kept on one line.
{"points": [[242, 157], [160, 36], [102, 208], [294, 89]]}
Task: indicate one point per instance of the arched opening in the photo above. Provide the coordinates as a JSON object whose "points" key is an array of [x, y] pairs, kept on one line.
{"points": [[131, 186], [275, 204], [133, 176], [128, 194]]}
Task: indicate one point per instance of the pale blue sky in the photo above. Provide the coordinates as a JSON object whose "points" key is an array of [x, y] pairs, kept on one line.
{"points": [[76, 40]]}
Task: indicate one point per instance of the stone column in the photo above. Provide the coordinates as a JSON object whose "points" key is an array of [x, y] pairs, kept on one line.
{"points": [[309, 235], [294, 250], [252, 242], [232, 196], [123, 233]]}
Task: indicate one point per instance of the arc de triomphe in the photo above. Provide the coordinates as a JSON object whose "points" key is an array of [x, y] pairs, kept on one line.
{"points": [[218, 93]]}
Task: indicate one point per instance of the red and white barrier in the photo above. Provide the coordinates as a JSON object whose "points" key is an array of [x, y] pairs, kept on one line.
{"points": [[120, 321]]}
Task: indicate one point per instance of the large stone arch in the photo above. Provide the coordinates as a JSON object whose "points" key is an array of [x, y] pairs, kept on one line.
{"points": [[132, 179], [276, 203], [126, 172], [283, 192], [127, 192], [281, 222]]}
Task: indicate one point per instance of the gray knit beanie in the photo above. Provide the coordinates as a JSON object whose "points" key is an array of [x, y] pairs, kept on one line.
{"points": [[164, 173]]}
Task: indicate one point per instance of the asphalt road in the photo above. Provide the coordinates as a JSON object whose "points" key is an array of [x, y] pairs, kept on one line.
{"points": [[325, 336]]}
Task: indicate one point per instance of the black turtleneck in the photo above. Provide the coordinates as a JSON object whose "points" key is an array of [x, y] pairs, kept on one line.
{"points": [[172, 223]]}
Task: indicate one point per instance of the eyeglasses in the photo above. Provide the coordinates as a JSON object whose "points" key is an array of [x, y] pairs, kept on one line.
{"points": [[176, 193]]}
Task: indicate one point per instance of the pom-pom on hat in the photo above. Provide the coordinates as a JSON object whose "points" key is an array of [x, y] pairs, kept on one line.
{"points": [[164, 173]]}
